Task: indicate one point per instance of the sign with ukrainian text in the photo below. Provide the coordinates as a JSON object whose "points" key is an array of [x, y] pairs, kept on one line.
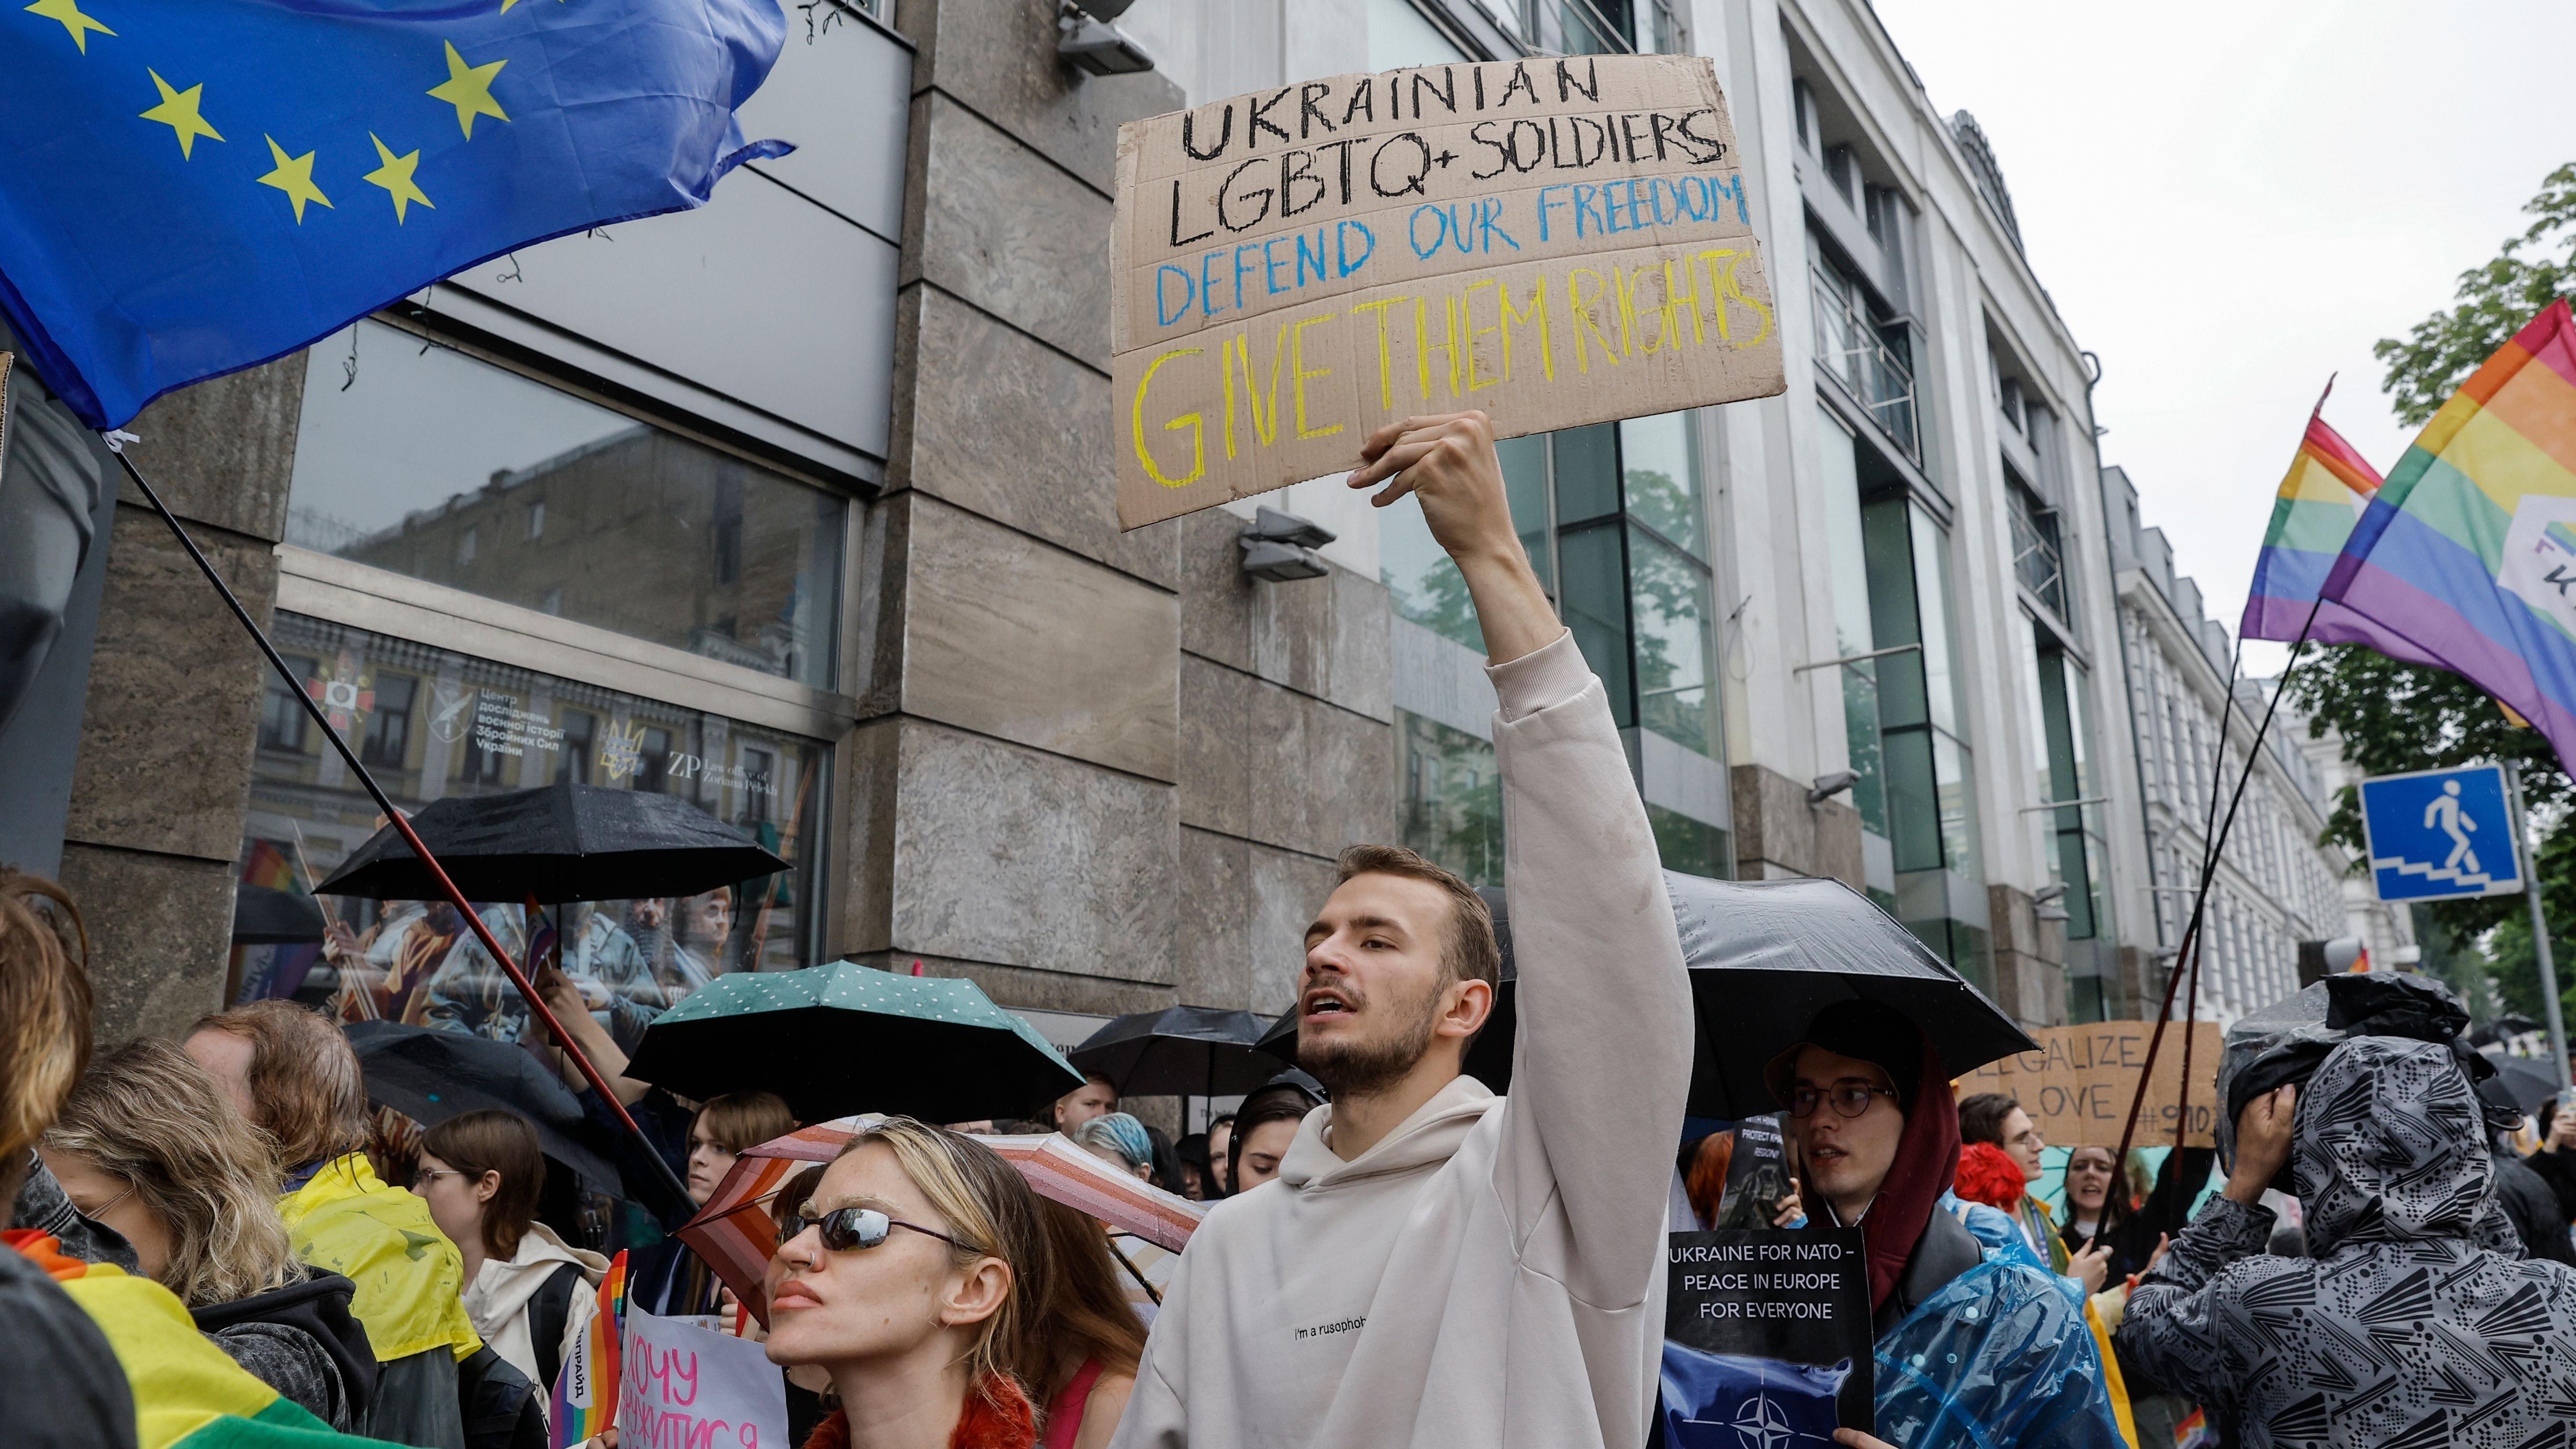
{"points": [[1557, 241]]}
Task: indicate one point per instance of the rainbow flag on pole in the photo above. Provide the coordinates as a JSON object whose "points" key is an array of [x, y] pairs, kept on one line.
{"points": [[583, 1404], [2321, 499], [2468, 553]]}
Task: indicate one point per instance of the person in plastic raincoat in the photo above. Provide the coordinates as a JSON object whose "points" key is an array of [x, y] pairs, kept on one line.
{"points": [[2405, 1324], [1972, 1350]]}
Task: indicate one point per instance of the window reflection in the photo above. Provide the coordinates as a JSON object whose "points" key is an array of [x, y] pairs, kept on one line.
{"points": [[433, 464], [437, 724]]}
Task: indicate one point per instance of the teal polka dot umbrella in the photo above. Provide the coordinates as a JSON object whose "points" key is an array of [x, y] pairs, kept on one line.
{"points": [[845, 1038]]}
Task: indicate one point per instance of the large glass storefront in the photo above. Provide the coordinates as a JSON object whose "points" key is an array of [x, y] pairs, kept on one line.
{"points": [[1616, 521], [1904, 712], [433, 724], [424, 461]]}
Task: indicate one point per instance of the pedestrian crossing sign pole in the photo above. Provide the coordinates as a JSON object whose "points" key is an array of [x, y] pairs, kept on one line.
{"points": [[2457, 834]]}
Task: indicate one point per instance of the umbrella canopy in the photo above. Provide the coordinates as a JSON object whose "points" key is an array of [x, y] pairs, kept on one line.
{"points": [[265, 917], [733, 1232], [560, 842], [1179, 1051], [430, 1075], [1764, 958], [834, 1039], [2530, 1082]]}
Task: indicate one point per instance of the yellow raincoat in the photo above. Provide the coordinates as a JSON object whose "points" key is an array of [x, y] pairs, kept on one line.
{"points": [[410, 1277]]}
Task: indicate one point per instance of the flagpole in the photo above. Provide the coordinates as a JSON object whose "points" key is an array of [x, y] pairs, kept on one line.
{"points": [[2530, 860], [401, 823], [2208, 871]]}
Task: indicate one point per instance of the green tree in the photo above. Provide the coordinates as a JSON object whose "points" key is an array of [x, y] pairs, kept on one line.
{"points": [[2395, 716], [2492, 304]]}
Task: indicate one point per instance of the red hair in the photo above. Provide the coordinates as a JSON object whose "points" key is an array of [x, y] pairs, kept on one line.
{"points": [[1989, 1176]]}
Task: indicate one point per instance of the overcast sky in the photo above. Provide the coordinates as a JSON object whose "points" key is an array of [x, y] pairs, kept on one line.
{"points": [[2229, 201]]}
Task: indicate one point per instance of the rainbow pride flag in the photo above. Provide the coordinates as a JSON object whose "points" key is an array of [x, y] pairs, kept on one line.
{"points": [[2321, 499], [2468, 553], [583, 1404]]}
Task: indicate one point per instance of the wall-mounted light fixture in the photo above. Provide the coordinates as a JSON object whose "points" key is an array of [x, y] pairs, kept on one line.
{"points": [[2046, 898], [1826, 787], [1281, 547], [1085, 36]]}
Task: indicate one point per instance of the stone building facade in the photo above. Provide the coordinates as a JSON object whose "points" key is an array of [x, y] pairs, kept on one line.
{"points": [[801, 507]]}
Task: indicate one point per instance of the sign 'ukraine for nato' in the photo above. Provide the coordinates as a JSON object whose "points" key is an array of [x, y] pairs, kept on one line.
{"points": [[2441, 834]]}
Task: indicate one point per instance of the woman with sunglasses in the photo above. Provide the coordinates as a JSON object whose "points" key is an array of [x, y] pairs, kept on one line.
{"points": [[917, 1277]]}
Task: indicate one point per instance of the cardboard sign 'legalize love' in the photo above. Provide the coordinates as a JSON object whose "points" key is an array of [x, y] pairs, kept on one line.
{"points": [[1555, 241], [2078, 1086]]}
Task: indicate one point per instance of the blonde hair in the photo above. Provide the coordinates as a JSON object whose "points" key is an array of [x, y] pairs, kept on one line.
{"points": [[995, 1215], [306, 1089], [147, 1113], [44, 1008]]}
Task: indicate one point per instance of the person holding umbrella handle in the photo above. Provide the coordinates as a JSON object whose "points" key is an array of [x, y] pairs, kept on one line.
{"points": [[1435, 1265]]}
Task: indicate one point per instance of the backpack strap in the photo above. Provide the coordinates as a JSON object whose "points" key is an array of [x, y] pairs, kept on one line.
{"points": [[548, 1312]]}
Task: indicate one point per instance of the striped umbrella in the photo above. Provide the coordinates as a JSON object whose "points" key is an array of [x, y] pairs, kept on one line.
{"points": [[735, 1234]]}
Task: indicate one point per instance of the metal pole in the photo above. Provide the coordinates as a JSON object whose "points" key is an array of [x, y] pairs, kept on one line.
{"points": [[402, 825], [2539, 924]]}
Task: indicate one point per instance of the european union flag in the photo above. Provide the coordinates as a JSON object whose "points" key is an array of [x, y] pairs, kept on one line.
{"points": [[191, 187]]}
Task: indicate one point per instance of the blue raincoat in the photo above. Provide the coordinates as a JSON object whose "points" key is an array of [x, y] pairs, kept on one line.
{"points": [[1999, 1358]]}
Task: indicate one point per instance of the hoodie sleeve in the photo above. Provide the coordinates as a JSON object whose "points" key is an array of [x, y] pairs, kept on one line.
{"points": [[1602, 1063], [2177, 1327], [1157, 1416]]}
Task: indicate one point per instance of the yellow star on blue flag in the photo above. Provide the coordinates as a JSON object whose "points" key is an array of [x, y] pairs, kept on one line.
{"points": [[130, 266]]}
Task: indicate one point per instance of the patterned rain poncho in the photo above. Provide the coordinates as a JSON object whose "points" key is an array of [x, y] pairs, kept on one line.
{"points": [[2401, 1329]]}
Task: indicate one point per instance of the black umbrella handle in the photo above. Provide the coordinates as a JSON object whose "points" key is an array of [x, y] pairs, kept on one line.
{"points": [[401, 823]]}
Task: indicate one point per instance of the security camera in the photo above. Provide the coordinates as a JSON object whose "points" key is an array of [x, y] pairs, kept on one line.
{"points": [[2048, 892], [1085, 36], [1281, 547], [1826, 787]]}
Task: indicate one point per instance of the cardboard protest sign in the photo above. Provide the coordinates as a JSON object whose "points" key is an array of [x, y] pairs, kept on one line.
{"points": [[2077, 1086], [1768, 1329], [1757, 1175], [681, 1387], [1558, 241]]}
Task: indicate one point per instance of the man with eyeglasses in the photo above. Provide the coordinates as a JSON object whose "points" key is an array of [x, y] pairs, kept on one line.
{"points": [[1874, 1129]]}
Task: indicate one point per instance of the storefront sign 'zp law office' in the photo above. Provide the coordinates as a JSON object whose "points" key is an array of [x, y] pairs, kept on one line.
{"points": [[1555, 241]]}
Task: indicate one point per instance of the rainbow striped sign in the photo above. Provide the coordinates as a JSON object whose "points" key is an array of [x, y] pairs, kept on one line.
{"points": [[584, 1402], [2466, 552]]}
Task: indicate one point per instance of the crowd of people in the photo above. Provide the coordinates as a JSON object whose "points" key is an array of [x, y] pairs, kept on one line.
{"points": [[219, 1228]]}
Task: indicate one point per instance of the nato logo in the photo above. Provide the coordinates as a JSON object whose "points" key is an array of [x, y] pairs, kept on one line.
{"points": [[2441, 834]]}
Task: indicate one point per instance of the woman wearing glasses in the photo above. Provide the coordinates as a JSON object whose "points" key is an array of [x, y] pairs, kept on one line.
{"points": [[917, 1278], [527, 1290]]}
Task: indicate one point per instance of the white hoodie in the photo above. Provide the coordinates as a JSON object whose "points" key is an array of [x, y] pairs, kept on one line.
{"points": [[497, 1300], [1492, 1273]]}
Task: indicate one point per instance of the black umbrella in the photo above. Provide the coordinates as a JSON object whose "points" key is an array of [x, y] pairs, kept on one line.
{"points": [[1179, 1051], [1764, 958], [431, 1075], [847, 1038], [264, 917], [560, 842], [2531, 1082]]}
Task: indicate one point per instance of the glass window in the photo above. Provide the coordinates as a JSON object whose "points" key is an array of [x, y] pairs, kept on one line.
{"points": [[472, 727], [433, 464], [1587, 473], [1594, 604], [1669, 601], [1525, 483], [1663, 490], [1839, 479], [1693, 847], [1401, 36], [1453, 798]]}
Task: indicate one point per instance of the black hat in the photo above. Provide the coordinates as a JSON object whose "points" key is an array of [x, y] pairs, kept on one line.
{"points": [[1866, 1031]]}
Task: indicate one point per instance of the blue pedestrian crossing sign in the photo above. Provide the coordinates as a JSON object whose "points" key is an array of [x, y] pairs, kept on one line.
{"points": [[2438, 835]]}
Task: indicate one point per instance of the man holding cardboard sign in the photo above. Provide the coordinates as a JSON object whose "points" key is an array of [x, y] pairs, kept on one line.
{"points": [[1560, 241], [1436, 1265]]}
